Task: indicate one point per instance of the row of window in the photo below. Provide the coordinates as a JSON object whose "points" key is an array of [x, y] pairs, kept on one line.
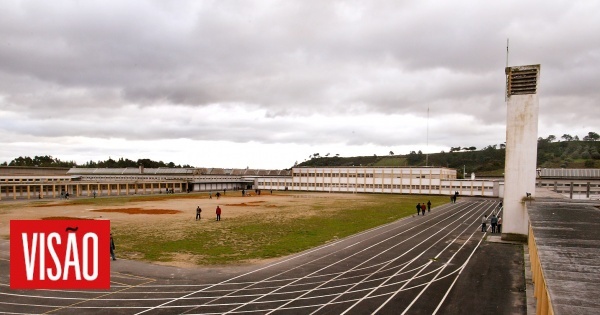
{"points": [[368, 175], [25, 180], [568, 185]]}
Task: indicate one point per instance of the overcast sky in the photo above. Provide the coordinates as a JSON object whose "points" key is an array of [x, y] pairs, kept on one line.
{"points": [[263, 84]]}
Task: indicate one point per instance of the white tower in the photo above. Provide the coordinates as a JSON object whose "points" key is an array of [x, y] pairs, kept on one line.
{"points": [[521, 148]]}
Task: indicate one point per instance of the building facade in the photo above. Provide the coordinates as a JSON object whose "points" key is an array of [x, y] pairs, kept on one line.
{"points": [[43, 183]]}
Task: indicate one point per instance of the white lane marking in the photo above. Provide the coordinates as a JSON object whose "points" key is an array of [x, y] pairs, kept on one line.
{"points": [[275, 264], [396, 227], [464, 265], [434, 278], [409, 262], [470, 214], [337, 262]]}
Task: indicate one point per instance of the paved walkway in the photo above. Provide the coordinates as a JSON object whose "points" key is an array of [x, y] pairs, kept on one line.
{"points": [[567, 234]]}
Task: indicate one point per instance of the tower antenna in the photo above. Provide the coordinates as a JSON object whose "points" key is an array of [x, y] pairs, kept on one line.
{"points": [[506, 87], [427, 148]]}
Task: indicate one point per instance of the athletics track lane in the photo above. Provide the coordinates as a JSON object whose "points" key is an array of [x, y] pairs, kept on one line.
{"points": [[407, 266]]}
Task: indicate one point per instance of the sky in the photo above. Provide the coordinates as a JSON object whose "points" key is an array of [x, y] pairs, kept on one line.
{"points": [[265, 84]]}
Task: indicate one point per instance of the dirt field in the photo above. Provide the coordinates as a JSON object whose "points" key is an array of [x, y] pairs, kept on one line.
{"points": [[170, 217]]}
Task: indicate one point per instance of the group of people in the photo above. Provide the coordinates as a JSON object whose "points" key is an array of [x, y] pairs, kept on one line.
{"points": [[199, 212], [495, 222], [421, 208], [218, 194]]}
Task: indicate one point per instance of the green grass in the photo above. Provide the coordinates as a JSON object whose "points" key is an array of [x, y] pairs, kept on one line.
{"points": [[250, 237]]}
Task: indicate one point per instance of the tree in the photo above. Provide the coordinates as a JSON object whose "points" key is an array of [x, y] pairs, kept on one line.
{"points": [[391, 152], [551, 138], [591, 136], [567, 137]]}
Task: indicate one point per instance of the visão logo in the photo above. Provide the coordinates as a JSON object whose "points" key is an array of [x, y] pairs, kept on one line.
{"points": [[59, 254]]}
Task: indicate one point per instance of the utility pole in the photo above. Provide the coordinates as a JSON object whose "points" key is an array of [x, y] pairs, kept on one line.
{"points": [[427, 147]]}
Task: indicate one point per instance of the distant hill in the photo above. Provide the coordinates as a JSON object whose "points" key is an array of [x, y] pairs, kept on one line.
{"points": [[486, 162]]}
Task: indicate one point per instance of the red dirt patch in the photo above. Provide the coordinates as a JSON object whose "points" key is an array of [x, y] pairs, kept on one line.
{"points": [[64, 218], [139, 211]]}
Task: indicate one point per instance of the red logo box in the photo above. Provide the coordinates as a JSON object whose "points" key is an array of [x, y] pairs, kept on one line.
{"points": [[59, 254]]}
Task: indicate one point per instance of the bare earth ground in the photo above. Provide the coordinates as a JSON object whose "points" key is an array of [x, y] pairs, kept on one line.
{"points": [[172, 215]]}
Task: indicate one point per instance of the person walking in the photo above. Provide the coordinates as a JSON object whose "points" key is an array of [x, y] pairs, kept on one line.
{"points": [[428, 205], [198, 211], [218, 213], [112, 247], [483, 223], [499, 224], [493, 222], [418, 209], [423, 208]]}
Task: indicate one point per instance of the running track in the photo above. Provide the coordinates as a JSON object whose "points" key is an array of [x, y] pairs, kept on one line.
{"points": [[405, 267]]}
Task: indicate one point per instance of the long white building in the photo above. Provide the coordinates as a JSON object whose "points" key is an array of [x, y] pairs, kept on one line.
{"points": [[42, 183], [395, 180]]}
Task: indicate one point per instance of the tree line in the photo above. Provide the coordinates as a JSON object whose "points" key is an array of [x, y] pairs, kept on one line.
{"points": [[49, 161]]}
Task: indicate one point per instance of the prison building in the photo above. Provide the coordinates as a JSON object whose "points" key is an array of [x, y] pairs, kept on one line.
{"points": [[395, 180], [42, 183], [574, 183]]}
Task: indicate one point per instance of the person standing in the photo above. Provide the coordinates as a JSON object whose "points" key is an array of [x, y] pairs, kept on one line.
{"points": [[493, 222], [418, 209], [423, 208], [112, 247], [198, 211], [499, 224], [428, 205], [218, 213], [483, 223], [209, 195]]}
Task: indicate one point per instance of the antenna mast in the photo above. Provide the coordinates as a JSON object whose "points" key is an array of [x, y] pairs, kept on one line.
{"points": [[506, 87], [427, 148]]}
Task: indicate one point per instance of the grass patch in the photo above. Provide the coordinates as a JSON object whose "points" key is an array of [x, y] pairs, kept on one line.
{"points": [[252, 237]]}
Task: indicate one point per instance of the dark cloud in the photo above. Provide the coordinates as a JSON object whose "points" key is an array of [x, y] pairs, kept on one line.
{"points": [[271, 71]]}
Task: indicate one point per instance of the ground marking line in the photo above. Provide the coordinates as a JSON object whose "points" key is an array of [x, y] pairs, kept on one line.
{"points": [[468, 213], [182, 306], [340, 260], [259, 269], [406, 252], [119, 283], [96, 298], [394, 225], [291, 258], [125, 275], [461, 270], [434, 278], [366, 261]]}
